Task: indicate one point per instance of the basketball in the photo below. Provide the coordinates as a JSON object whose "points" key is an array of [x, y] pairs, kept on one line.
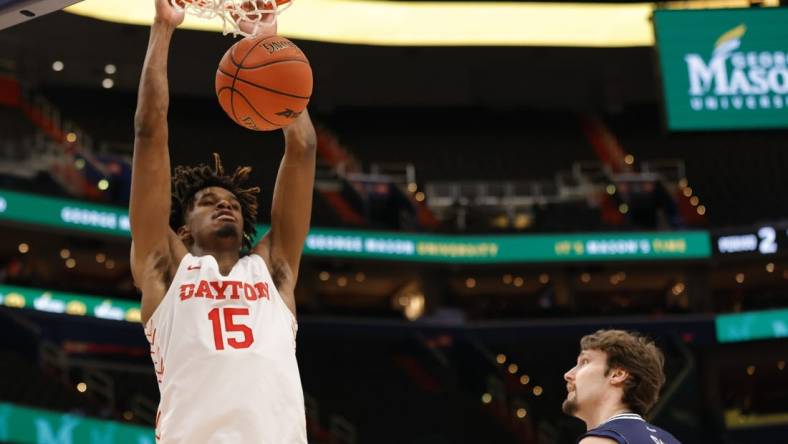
{"points": [[264, 83]]}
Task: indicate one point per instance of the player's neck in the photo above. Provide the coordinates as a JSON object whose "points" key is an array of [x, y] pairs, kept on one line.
{"points": [[605, 410], [226, 258]]}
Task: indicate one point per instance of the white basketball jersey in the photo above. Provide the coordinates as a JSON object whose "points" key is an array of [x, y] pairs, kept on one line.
{"points": [[224, 352]]}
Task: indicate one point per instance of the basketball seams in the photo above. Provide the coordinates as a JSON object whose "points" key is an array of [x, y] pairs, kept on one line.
{"points": [[232, 56], [292, 59], [242, 96], [226, 73], [275, 91], [235, 78], [249, 103]]}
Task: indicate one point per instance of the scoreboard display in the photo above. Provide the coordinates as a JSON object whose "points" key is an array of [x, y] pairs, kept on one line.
{"points": [[760, 240]]}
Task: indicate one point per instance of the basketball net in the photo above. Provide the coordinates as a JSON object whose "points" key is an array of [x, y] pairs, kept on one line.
{"points": [[233, 12]]}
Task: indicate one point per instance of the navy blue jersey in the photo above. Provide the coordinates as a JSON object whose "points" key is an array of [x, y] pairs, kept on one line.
{"points": [[630, 428]]}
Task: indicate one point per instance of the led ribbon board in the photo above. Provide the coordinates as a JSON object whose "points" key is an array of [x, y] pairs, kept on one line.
{"points": [[28, 425], [510, 248], [750, 326], [63, 213], [737, 327], [69, 303], [724, 69], [357, 244]]}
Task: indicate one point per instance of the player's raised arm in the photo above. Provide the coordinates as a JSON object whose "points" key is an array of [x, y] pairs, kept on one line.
{"points": [[149, 206], [292, 201]]}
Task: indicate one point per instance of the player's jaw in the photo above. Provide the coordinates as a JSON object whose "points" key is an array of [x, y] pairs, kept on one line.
{"points": [[570, 404]]}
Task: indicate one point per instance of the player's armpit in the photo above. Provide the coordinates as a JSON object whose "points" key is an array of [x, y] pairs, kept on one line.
{"points": [[161, 263], [597, 440], [263, 248], [281, 274], [285, 282], [152, 274], [177, 250]]}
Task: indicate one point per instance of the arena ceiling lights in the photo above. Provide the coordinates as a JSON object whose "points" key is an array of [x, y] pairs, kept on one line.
{"points": [[398, 23], [458, 23]]}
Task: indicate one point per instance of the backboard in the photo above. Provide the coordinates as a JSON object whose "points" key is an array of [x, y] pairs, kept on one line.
{"points": [[13, 12]]}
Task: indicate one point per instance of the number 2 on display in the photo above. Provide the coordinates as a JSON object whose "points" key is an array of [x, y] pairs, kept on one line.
{"points": [[230, 326]]}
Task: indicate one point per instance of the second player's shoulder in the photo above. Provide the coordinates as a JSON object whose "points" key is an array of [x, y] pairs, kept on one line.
{"points": [[660, 435], [635, 430]]}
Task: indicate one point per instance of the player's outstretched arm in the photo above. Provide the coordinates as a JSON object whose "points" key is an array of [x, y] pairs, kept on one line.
{"points": [[149, 206], [292, 206]]}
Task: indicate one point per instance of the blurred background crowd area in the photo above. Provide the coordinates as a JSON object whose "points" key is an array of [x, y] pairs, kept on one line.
{"points": [[477, 209]]}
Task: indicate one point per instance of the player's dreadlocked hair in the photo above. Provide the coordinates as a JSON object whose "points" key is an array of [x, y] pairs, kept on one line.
{"points": [[188, 180]]}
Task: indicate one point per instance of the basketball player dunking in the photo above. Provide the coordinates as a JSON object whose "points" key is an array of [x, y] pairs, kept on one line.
{"points": [[616, 380], [221, 327]]}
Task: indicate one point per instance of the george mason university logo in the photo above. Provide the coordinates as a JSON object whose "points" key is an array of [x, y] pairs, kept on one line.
{"points": [[737, 80]]}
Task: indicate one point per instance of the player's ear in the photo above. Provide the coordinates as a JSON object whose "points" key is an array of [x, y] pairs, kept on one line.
{"points": [[185, 235], [618, 376]]}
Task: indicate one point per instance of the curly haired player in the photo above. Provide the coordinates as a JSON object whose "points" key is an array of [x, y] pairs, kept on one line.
{"points": [[616, 380], [221, 323]]}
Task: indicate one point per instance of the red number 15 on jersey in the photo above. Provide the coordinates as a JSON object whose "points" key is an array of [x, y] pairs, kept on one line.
{"points": [[230, 326]]}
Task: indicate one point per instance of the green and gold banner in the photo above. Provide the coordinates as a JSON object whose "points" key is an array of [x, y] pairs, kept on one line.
{"points": [[724, 69]]}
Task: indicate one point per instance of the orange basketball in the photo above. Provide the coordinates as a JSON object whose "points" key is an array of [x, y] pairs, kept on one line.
{"points": [[264, 83]]}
